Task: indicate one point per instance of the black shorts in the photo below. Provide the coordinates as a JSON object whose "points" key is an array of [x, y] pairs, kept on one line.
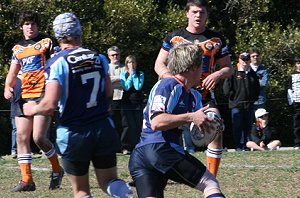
{"points": [[17, 106], [152, 165]]}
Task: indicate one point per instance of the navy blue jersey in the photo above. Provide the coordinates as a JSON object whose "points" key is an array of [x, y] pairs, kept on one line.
{"points": [[82, 75], [167, 96]]}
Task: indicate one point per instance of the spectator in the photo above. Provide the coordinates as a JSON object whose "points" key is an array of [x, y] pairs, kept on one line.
{"points": [[29, 56], [215, 53], [13, 108], [242, 89], [263, 76], [263, 135], [132, 102], [79, 77], [294, 99], [115, 69], [172, 102]]}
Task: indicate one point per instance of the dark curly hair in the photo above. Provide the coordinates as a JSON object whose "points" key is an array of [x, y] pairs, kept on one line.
{"points": [[29, 15]]}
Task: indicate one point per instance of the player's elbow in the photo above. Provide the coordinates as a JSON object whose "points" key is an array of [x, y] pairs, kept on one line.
{"points": [[156, 124], [49, 111]]}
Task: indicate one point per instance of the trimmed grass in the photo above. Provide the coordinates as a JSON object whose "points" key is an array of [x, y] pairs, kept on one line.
{"points": [[241, 175]]}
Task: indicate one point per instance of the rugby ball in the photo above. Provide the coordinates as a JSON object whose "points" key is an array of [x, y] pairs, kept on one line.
{"points": [[203, 136]]}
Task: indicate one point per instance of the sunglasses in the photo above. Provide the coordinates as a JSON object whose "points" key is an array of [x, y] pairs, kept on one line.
{"points": [[114, 55]]}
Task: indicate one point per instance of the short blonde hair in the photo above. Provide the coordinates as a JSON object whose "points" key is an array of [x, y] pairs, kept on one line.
{"points": [[183, 57]]}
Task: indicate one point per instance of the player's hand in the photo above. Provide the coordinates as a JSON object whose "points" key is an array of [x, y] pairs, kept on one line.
{"points": [[8, 93], [200, 119], [210, 81], [28, 108]]}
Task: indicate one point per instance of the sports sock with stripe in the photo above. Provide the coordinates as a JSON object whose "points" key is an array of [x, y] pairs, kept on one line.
{"points": [[213, 159], [24, 161]]}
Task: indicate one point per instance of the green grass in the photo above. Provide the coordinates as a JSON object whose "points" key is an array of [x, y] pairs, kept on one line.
{"points": [[241, 175]]}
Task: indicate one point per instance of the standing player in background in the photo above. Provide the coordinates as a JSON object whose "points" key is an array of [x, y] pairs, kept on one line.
{"points": [[215, 52], [29, 56], [78, 81]]}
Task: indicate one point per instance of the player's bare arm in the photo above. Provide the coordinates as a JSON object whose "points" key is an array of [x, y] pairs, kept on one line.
{"points": [[48, 104], [11, 81], [225, 72], [166, 121], [161, 64]]}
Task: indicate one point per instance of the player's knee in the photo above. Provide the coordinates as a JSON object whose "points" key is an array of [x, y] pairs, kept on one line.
{"points": [[40, 141], [208, 182]]}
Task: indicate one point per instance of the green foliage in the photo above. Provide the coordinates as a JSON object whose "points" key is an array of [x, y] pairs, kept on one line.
{"points": [[139, 26]]}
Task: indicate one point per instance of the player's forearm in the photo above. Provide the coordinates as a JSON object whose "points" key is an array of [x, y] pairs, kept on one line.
{"points": [[162, 70], [166, 121], [10, 80], [224, 72], [44, 108], [160, 66]]}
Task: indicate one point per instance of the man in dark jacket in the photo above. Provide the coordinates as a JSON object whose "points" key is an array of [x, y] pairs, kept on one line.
{"points": [[242, 89]]}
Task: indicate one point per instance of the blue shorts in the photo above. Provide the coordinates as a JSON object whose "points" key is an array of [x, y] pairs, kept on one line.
{"points": [[152, 165], [88, 142]]}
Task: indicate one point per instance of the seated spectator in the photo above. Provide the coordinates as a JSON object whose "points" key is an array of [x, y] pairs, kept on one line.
{"points": [[263, 135]]}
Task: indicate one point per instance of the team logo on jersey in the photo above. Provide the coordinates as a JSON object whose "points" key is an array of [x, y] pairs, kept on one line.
{"points": [[181, 104], [158, 103], [37, 46], [209, 46], [18, 50], [27, 60], [217, 46]]}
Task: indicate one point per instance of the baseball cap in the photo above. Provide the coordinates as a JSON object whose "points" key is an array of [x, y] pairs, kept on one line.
{"points": [[66, 24], [245, 56], [260, 112]]}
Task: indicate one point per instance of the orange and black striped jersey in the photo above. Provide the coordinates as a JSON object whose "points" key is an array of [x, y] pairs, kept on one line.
{"points": [[213, 44], [31, 55]]}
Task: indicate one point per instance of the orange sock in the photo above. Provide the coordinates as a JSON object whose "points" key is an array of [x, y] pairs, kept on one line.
{"points": [[26, 173], [213, 165], [53, 158], [213, 159], [55, 163]]}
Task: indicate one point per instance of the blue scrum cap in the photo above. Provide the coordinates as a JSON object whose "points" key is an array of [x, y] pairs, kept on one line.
{"points": [[66, 24]]}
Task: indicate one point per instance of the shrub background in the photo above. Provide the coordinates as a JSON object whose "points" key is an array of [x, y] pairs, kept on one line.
{"points": [[138, 27]]}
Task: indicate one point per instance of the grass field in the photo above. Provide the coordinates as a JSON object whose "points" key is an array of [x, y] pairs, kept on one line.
{"points": [[267, 174]]}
